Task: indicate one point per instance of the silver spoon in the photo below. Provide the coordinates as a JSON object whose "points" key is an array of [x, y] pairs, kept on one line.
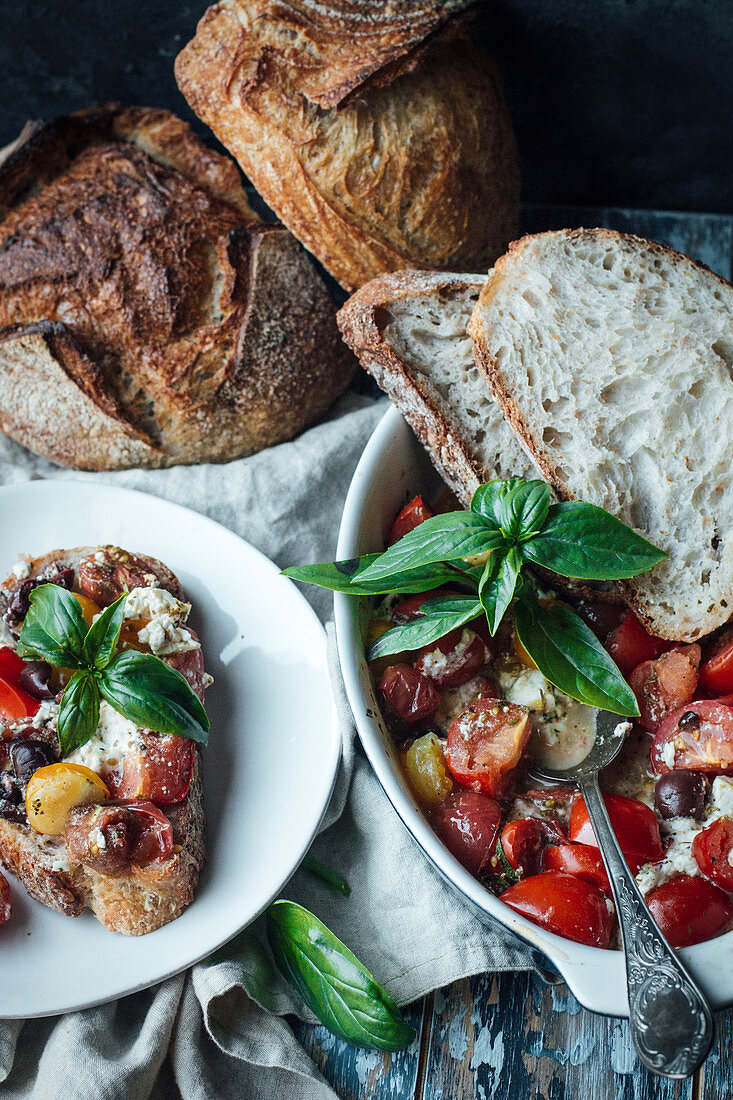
{"points": [[671, 1021]]}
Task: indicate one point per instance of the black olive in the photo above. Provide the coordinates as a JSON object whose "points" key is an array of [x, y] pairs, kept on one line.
{"points": [[12, 812], [20, 599], [689, 721], [9, 788], [29, 756], [34, 679], [681, 793]]}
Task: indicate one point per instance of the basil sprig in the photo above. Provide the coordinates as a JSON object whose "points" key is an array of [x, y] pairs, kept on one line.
{"points": [[511, 523], [139, 686]]}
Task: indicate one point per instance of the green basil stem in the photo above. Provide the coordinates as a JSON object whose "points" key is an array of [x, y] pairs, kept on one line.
{"points": [[339, 884]]}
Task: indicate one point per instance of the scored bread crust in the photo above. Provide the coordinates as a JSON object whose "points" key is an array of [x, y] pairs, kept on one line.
{"points": [[132, 902]]}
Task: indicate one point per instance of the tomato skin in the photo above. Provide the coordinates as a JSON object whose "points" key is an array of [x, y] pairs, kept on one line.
{"points": [[468, 824], [11, 665], [154, 841], [409, 694], [634, 823], [716, 671], [664, 685], [6, 900], [581, 860], [160, 774], [689, 910], [565, 905], [712, 848], [415, 512], [453, 660], [485, 745], [409, 609], [524, 842], [629, 644], [701, 735], [15, 704]]}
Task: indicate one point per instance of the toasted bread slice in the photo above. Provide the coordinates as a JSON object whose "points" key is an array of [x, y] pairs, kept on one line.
{"points": [[611, 357]]}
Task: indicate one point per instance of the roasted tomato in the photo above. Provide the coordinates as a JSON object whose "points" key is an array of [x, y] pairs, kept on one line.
{"points": [[160, 770], [485, 745], [426, 771], [15, 703], [581, 860], [109, 837], [716, 671], [565, 905], [412, 515], [665, 684], [524, 842], [452, 660], [697, 736], [689, 910], [11, 664], [629, 644], [468, 825], [554, 801], [635, 825], [6, 901], [712, 849], [410, 608], [409, 694]]}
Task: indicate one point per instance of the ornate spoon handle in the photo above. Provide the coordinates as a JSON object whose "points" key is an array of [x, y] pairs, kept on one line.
{"points": [[671, 1021]]}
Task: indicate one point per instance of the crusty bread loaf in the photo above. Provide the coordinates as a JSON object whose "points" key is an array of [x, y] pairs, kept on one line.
{"points": [[147, 316], [409, 331], [611, 357], [376, 131]]}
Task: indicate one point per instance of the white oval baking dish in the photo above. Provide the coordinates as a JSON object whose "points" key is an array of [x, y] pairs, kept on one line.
{"points": [[394, 467]]}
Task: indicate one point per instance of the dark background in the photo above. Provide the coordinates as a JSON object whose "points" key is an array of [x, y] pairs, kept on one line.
{"points": [[619, 102]]}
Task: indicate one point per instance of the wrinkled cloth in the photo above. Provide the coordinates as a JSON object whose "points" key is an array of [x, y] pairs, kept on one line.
{"points": [[219, 1029]]}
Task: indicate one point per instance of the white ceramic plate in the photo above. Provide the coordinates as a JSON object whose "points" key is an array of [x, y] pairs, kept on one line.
{"points": [[393, 468], [269, 768]]}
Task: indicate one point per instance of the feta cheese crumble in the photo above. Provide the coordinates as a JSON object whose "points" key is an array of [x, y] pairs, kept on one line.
{"points": [[164, 617]]}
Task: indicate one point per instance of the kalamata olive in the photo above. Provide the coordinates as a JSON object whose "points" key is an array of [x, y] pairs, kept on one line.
{"points": [[681, 793], [29, 756], [34, 679], [20, 599], [12, 812], [9, 788]]}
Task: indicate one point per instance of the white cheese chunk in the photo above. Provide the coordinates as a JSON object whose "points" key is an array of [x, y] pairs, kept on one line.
{"points": [[115, 737], [164, 617], [22, 569]]}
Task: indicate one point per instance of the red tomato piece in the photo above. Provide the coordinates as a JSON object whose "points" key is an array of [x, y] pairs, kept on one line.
{"points": [[411, 608], [689, 910], [11, 665], [412, 515], [665, 684], [629, 644], [453, 660], [154, 834], [468, 824], [716, 671], [565, 905], [524, 842], [698, 736], [160, 773], [6, 901], [634, 823], [16, 704], [409, 694], [712, 848], [485, 745], [581, 860]]}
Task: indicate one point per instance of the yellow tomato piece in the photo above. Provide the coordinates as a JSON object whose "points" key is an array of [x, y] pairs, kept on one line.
{"points": [[55, 790], [521, 652], [426, 771], [88, 607]]}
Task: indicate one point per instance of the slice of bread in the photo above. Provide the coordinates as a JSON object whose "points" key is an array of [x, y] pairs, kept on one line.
{"points": [[612, 358], [409, 331]]}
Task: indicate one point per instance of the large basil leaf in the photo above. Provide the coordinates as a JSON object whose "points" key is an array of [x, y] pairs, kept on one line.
{"points": [[101, 641], [144, 689], [438, 619], [79, 712], [344, 576], [569, 655], [329, 978], [54, 628], [441, 538], [587, 543], [496, 590]]}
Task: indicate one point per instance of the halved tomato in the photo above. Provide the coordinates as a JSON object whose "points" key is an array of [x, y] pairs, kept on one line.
{"points": [[690, 910], [15, 704], [411, 607], [634, 823], [524, 842], [11, 665], [409, 694], [485, 745], [160, 771], [565, 905], [630, 644], [716, 671], [698, 736], [712, 848], [581, 860], [665, 684], [453, 660], [468, 824], [412, 515]]}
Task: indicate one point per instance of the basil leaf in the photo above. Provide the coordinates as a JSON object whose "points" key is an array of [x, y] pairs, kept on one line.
{"points": [[331, 878], [79, 712], [344, 576], [54, 628], [497, 586], [587, 543], [332, 982], [569, 655], [144, 689], [428, 628], [441, 538], [101, 640], [487, 500], [526, 509]]}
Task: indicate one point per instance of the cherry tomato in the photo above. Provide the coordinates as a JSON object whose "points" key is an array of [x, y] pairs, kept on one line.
{"points": [[581, 860], [6, 901], [554, 801], [716, 671], [634, 823], [154, 839], [712, 849], [689, 910], [453, 660], [16, 704], [411, 608], [412, 515], [160, 773], [665, 684], [565, 905], [524, 842], [485, 745], [468, 824], [629, 644], [409, 694], [11, 665], [698, 736]]}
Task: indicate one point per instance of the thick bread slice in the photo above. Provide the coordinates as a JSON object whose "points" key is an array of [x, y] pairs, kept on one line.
{"points": [[409, 331], [612, 357]]}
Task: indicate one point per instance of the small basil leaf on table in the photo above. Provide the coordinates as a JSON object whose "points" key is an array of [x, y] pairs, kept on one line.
{"points": [[438, 619], [584, 542], [331, 878], [569, 655], [497, 586], [79, 712], [144, 689], [101, 640], [332, 982], [339, 576], [441, 538], [54, 627]]}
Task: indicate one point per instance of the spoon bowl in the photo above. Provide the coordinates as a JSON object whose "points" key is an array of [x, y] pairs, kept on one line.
{"points": [[611, 732]]}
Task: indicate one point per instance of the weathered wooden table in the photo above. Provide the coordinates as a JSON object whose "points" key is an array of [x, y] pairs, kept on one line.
{"points": [[510, 1036]]}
